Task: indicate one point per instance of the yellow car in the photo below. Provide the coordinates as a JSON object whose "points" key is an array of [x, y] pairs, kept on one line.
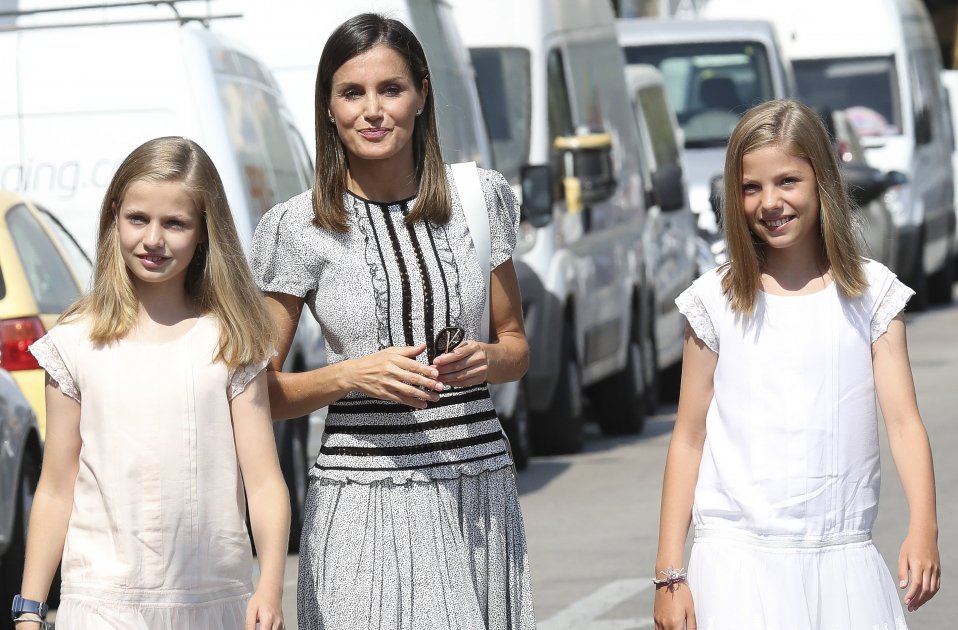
{"points": [[42, 271]]}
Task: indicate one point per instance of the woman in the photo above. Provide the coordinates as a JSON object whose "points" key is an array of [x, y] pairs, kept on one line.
{"points": [[412, 517]]}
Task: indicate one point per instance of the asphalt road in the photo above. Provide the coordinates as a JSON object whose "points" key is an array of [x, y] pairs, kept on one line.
{"points": [[591, 519]]}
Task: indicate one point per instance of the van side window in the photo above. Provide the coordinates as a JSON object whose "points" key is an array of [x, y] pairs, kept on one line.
{"points": [[50, 281], [560, 112], [665, 150]]}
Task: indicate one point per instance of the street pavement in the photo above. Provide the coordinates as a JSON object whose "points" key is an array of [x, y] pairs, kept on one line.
{"points": [[592, 518]]}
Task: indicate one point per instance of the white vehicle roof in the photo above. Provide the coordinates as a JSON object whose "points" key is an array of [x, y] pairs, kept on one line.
{"points": [[651, 31]]}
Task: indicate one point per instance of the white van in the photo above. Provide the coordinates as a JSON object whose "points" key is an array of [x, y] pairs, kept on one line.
{"points": [[949, 78], [551, 81], [881, 60], [290, 42], [77, 100], [714, 70]]}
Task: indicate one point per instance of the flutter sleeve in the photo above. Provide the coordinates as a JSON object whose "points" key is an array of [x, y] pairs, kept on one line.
{"points": [[243, 375], [503, 209], [691, 305], [53, 356], [276, 257], [890, 304]]}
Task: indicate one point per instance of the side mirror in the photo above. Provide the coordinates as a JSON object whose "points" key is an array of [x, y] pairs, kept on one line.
{"points": [[667, 184], [587, 168], [895, 178], [716, 196], [537, 193], [866, 184]]}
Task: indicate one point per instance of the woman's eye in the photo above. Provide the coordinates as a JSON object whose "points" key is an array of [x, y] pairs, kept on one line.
{"points": [[749, 188], [350, 94], [136, 219], [176, 225], [393, 90]]}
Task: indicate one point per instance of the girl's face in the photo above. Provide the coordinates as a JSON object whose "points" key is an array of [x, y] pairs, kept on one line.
{"points": [[374, 100], [159, 229], [780, 197]]}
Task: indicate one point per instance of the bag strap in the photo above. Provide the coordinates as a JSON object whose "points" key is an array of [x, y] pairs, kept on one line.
{"points": [[466, 176]]}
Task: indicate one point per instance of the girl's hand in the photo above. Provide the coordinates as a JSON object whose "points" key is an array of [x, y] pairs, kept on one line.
{"points": [[394, 374], [465, 366], [266, 611], [673, 608], [919, 559]]}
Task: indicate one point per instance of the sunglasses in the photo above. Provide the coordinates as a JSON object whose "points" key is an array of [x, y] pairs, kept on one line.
{"points": [[447, 340]]}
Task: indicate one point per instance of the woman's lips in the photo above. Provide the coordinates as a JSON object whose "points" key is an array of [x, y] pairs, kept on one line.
{"points": [[152, 262], [373, 133], [777, 225]]}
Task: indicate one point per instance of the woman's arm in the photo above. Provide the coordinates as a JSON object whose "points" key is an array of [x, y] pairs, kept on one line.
{"points": [[912, 454], [674, 606], [53, 501], [390, 374], [506, 357], [268, 500]]}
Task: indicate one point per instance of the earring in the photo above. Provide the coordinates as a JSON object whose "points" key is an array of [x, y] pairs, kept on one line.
{"points": [[332, 120], [418, 111]]}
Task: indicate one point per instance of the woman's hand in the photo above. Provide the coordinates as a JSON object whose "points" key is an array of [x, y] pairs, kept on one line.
{"points": [[395, 374], [919, 561], [673, 608], [465, 366], [266, 611]]}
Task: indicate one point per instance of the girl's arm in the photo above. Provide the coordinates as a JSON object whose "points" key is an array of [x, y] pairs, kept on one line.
{"points": [[673, 607], [506, 357], [390, 374], [268, 500], [53, 501], [912, 454]]}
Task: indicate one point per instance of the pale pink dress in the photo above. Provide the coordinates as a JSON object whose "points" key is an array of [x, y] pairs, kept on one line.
{"points": [[157, 538]]}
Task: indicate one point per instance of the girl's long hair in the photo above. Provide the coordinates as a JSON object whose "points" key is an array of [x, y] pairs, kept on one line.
{"points": [[799, 132], [354, 37], [218, 280]]}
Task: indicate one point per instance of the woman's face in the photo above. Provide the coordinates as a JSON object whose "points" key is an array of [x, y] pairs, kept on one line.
{"points": [[374, 101]]}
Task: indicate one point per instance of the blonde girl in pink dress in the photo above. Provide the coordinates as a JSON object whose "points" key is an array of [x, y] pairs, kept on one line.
{"points": [[158, 421]]}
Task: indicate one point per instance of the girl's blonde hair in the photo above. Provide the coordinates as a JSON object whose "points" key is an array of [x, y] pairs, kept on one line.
{"points": [[352, 38], [799, 132], [218, 279]]}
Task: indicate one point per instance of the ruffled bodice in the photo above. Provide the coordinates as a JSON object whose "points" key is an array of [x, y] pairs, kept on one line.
{"points": [[792, 441]]}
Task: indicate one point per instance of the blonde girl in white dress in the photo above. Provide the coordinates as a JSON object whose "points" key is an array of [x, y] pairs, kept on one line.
{"points": [[775, 454], [158, 420]]}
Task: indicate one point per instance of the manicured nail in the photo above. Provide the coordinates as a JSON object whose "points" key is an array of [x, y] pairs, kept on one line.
{"points": [[901, 584]]}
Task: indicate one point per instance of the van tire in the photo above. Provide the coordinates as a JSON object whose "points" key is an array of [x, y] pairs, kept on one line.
{"points": [[558, 431], [940, 283], [621, 400], [294, 463]]}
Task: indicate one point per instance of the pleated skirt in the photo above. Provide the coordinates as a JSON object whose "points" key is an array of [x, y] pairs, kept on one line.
{"points": [[87, 613], [740, 586], [420, 555]]}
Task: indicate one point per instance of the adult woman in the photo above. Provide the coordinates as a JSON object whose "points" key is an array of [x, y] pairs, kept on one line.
{"points": [[412, 515]]}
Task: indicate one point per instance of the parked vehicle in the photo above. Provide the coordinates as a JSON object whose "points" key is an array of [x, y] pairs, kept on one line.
{"points": [[551, 81], [19, 473], [889, 81], [714, 70], [42, 271], [70, 119], [949, 79]]}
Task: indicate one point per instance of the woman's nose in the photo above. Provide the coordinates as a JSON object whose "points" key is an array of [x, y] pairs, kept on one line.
{"points": [[770, 198], [373, 107], [153, 236]]}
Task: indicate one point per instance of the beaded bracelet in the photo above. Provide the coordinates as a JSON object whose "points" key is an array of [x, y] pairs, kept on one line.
{"points": [[672, 577]]}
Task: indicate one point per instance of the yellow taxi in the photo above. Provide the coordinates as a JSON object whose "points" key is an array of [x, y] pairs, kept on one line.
{"points": [[42, 271]]}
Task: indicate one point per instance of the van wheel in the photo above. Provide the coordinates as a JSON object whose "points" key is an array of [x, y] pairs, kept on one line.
{"points": [[621, 400], [517, 430], [559, 430], [295, 467], [11, 565], [940, 283], [918, 283], [650, 364]]}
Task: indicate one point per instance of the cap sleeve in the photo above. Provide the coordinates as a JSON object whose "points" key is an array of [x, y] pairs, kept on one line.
{"points": [[890, 304], [692, 306], [503, 208], [243, 375], [276, 258], [53, 358]]}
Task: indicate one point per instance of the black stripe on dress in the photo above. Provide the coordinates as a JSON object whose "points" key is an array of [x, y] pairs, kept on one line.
{"points": [[442, 272], [447, 394], [417, 449], [406, 429], [403, 277], [384, 407], [418, 466], [428, 309], [382, 259]]}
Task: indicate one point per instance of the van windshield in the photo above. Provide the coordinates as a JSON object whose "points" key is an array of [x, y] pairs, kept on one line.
{"points": [[503, 79], [709, 84], [865, 85]]}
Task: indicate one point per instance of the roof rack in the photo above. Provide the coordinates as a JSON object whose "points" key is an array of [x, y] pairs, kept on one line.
{"points": [[171, 4]]}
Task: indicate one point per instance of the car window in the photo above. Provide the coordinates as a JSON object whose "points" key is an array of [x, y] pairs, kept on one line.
{"points": [[51, 283], [659, 126], [867, 84], [560, 112], [79, 261], [503, 77]]}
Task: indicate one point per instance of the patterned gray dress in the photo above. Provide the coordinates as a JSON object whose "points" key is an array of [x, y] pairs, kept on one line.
{"points": [[412, 517]]}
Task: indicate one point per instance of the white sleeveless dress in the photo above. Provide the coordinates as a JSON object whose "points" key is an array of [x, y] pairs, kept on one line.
{"points": [[157, 537], [788, 485]]}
